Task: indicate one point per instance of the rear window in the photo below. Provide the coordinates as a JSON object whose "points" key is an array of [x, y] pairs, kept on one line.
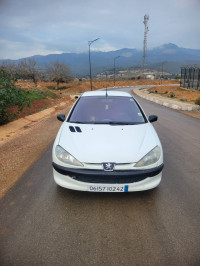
{"points": [[107, 110]]}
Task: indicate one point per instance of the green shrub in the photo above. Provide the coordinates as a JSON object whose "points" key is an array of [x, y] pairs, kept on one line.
{"points": [[183, 100], [50, 94], [38, 95], [51, 88], [10, 96], [197, 101], [153, 91], [172, 95], [59, 89]]}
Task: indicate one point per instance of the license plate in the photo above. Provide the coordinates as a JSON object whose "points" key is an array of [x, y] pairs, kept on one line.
{"points": [[108, 188]]}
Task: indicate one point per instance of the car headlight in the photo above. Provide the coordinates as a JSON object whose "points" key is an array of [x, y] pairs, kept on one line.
{"points": [[150, 158], [66, 157]]}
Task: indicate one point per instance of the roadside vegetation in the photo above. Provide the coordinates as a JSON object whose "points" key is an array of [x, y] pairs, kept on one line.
{"points": [[10, 96], [197, 101], [26, 88], [13, 98]]}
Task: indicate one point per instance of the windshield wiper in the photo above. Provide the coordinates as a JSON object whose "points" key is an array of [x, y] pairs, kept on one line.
{"points": [[112, 123], [122, 123], [76, 122]]}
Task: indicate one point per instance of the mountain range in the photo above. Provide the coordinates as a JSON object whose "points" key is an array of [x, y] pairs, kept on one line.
{"points": [[169, 55]]}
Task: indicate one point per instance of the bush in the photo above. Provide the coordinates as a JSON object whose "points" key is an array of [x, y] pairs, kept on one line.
{"points": [[197, 101], [153, 91], [10, 96], [172, 95], [183, 100], [59, 89], [39, 94]]}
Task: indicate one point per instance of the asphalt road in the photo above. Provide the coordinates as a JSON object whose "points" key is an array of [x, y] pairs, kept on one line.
{"points": [[42, 224]]}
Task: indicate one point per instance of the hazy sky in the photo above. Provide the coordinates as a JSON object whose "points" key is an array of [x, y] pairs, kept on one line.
{"points": [[30, 27]]}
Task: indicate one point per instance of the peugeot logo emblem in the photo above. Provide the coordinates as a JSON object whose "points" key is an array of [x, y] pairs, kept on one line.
{"points": [[108, 166]]}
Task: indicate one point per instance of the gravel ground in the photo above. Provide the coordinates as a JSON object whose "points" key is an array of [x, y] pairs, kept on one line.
{"points": [[22, 150]]}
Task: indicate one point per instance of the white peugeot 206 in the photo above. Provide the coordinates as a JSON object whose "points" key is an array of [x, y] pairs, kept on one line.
{"points": [[107, 144]]}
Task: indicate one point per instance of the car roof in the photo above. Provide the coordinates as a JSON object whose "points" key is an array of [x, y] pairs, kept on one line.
{"points": [[103, 93]]}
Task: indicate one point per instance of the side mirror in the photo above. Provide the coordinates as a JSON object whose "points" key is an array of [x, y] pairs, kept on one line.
{"points": [[61, 117], [153, 118]]}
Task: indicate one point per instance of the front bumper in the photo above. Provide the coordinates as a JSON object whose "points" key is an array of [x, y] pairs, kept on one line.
{"points": [[80, 179]]}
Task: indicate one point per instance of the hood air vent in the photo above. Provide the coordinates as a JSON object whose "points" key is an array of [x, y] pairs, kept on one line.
{"points": [[78, 129], [72, 129]]}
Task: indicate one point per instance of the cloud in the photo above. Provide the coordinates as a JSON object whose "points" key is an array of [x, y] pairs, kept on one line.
{"points": [[17, 50], [67, 26], [105, 48]]}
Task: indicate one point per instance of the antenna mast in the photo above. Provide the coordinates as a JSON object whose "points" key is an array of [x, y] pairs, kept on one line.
{"points": [[146, 29]]}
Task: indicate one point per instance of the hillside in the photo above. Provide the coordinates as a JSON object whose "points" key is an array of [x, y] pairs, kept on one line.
{"points": [[173, 57]]}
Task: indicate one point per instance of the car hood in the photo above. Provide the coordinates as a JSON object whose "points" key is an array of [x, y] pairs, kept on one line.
{"points": [[108, 143]]}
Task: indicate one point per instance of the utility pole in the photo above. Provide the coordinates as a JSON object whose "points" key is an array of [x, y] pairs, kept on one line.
{"points": [[114, 67], [89, 43], [146, 29], [161, 76]]}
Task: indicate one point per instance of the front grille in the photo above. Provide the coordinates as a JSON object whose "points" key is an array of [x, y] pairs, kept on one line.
{"points": [[108, 179]]}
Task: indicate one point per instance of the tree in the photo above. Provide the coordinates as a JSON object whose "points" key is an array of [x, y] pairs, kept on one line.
{"points": [[59, 72], [10, 68], [10, 96], [28, 69]]}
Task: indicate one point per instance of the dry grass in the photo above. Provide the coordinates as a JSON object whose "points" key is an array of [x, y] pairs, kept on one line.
{"points": [[177, 93], [82, 86]]}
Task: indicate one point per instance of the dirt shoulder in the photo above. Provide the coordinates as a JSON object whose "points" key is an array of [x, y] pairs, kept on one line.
{"points": [[22, 150]]}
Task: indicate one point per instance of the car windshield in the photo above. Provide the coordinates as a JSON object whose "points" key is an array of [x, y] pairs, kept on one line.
{"points": [[107, 110]]}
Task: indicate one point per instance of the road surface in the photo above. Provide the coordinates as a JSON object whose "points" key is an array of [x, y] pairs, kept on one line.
{"points": [[42, 224]]}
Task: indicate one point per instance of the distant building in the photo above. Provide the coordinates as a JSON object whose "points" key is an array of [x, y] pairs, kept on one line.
{"points": [[150, 76]]}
